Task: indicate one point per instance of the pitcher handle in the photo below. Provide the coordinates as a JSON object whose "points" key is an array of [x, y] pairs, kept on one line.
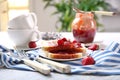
{"points": [[37, 36], [34, 18]]}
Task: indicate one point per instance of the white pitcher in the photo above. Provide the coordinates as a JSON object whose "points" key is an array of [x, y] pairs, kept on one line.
{"points": [[23, 21]]}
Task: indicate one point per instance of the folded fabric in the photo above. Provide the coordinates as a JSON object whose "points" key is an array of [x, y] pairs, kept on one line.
{"points": [[11, 62], [107, 61]]}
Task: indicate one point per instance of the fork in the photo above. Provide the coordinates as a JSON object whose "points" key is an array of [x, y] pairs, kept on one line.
{"points": [[59, 67], [44, 69]]}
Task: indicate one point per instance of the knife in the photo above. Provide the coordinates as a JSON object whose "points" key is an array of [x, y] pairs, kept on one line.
{"points": [[62, 68], [42, 68]]}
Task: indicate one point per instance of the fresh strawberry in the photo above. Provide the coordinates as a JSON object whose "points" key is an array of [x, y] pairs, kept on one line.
{"points": [[67, 43], [88, 61], [93, 47], [60, 42], [74, 41], [77, 45], [64, 39], [32, 44]]}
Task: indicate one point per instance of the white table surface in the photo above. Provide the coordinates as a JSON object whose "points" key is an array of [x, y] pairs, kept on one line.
{"points": [[10, 74]]}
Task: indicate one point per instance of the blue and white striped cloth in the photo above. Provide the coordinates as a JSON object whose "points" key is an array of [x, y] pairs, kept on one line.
{"points": [[107, 61]]}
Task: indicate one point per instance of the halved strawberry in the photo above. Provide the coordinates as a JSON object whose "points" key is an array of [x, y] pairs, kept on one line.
{"points": [[93, 47], [88, 61]]}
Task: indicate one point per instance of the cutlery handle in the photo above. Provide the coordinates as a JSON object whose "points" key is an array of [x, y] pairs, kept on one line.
{"points": [[63, 68], [96, 12], [104, 13], [37, 66]]}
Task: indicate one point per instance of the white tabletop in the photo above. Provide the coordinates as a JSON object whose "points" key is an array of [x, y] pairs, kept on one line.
{"points": [[10, 74], [104, 37]]}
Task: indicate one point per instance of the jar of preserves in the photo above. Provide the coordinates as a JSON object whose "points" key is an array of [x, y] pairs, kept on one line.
{"points": [[84, 27]]}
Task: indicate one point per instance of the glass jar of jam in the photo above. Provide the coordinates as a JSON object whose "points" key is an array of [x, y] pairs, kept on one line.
{"points": [[84, 27]]}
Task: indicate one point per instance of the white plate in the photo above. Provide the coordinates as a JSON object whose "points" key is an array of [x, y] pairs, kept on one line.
{"points": [[26, 48], [42, 54]]}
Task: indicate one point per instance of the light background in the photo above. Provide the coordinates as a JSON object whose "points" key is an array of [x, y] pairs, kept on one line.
{"points": [[46, 22]]}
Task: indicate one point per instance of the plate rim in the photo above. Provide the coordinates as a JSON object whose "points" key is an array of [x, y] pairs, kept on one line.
{"points": [[27, 48]]}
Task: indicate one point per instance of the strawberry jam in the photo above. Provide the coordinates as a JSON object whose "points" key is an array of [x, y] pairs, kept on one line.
{"points": [[84, 27], [84, 36]]}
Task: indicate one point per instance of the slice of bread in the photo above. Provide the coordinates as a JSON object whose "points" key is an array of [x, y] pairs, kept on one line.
{"points": [[63, 55], [65, 50]]}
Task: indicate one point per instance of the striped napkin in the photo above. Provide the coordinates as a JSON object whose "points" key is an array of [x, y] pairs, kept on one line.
{"points": [[11, 62], [107, 61]]}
